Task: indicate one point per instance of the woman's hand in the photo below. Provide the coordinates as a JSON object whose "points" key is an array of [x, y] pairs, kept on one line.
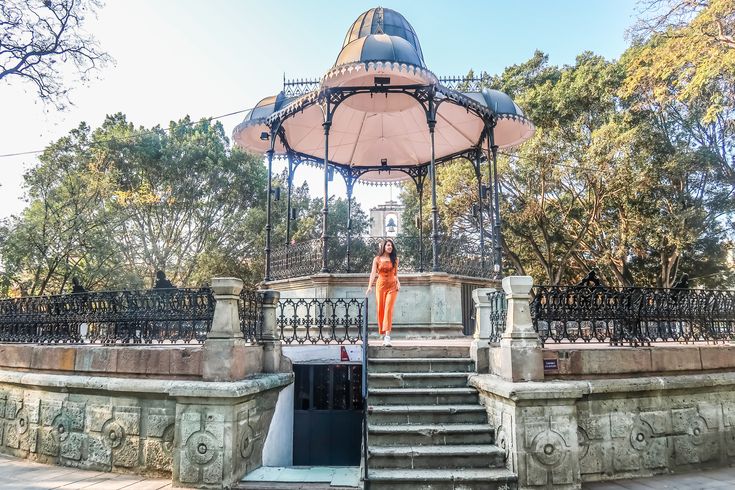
{"points": [[368, 291], [398, 286]]}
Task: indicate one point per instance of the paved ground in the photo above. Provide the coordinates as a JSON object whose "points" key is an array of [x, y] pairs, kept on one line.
{"points": [[720, 479], [18, 474]]}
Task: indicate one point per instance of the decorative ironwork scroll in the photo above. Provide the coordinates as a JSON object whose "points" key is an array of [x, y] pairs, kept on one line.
{"points": [[498, 314], [457, 256], [126, 317], [295, 260], [251, 314], [321, 320], [637, 316]]}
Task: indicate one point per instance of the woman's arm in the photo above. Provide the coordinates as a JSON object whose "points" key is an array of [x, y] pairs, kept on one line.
{"points": [[373, 273], [395, 273]]}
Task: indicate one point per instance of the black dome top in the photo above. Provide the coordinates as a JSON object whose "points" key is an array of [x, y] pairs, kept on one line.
{"points": [[380, 20]]}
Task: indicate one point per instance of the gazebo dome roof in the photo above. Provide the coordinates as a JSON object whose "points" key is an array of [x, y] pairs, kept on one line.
{"points": [[380, 47], [380, 42], [247, 133], [380, 20], [513, 127]]}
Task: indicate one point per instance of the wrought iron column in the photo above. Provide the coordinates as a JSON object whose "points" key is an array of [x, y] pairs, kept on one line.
{"points": [[478, 174], [420, 187], [325, 209], [431, 120], [497, 239], [349, 183], [268, 212], [288, 200]]}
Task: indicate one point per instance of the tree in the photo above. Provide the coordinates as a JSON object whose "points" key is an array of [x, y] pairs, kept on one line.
{"points": [[114, 205], [64, 231], [682, 68], [603, 184], [43, 41]]}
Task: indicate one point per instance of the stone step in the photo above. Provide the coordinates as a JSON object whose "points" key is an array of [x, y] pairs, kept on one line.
{"points": [[417, 380], [430, 434], [422, 396], [420, 365], [418, 351], [450, 479], [436, 457], [274, 485], [426, 414]]}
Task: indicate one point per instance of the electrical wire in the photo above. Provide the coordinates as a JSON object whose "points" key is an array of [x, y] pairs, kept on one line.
{"points": [[137, 135]]}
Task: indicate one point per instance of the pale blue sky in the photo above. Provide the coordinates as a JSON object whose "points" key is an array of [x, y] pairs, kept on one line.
{"points": [[178, 57]]}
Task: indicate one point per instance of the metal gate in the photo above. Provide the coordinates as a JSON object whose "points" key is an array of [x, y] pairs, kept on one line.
{"points": [[327, 414]]}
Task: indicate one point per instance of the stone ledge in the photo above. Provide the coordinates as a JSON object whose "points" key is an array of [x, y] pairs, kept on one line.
{"points": [[163, 361], [173, 388], [610, 361], [528, 390], [573, 389]]}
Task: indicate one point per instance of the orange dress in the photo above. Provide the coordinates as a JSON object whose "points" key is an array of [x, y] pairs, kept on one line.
{"points": [[386, 292]]}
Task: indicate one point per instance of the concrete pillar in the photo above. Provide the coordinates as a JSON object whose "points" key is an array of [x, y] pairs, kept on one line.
{"points": [[521, 354], [224, 356], [480, 348], [273, 360]]}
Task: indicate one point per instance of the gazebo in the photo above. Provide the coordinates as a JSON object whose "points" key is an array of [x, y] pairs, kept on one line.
{"points": [[380, 116]]}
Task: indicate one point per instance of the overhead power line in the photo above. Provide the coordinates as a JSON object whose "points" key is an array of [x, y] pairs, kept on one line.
{"points": [[136, 135]]}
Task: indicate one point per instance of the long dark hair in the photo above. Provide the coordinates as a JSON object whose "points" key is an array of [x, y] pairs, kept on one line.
{"points": [[393, 254]]}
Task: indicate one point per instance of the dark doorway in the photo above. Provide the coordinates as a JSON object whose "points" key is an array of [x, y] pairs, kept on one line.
{"points": [[327, 415]]}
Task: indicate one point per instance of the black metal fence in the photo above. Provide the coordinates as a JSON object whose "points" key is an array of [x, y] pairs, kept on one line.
{"points": [[457, 256], [618, 316], [126, 317], [322, 320], [498, 313], [172, 316]]}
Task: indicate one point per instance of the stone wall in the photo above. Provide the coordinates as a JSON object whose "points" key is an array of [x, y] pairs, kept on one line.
{"points": [[558, 434], [429, 304], [204, 433]]}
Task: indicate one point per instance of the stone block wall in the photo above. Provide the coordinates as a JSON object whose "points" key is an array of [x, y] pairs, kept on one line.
{"points": [[200, 434], [558, 434], [88, 431]]}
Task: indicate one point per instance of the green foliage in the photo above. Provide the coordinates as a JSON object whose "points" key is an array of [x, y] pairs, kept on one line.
{"points": [[609, 181], [114, 205]]}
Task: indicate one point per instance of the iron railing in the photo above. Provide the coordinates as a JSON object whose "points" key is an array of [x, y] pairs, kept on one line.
{"points": [[457, 256], [296, 260], [251, 314], [633, 316], [321, 320], [126, 317], [365, 394], [498, 314], [638, 316]]}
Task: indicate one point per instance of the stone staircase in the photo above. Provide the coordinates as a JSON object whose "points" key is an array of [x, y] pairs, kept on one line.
{"points": [[426, 427]]}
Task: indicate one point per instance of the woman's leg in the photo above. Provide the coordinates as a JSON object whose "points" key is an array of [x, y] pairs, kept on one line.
{"points": [[380, 298], [390, 300]]}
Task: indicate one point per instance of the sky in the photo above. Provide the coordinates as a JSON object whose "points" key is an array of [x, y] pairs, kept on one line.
{"points": [[207, 58]]}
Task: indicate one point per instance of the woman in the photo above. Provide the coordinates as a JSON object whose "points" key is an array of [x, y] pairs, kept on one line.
{"points": [[385, 266]]}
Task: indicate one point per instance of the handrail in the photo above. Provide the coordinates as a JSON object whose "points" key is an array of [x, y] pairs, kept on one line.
{"points": [[366, 478]]}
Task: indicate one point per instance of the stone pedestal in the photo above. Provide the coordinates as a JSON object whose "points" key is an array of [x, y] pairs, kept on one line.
{"points": [[226, 356], [273, 358], [480, 348], [521, 354], [536, 426], [221, 429]]}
